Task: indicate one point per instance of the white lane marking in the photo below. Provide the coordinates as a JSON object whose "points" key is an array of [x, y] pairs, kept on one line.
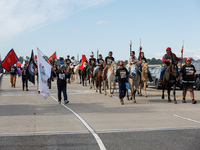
{"points": [[99, 141], [186, 118]]}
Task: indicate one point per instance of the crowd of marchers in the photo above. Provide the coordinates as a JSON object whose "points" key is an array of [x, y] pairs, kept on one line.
{"points": [[64, 69]]}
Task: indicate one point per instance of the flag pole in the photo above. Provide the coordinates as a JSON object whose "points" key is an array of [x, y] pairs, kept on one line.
{"points": [[182, 54]]}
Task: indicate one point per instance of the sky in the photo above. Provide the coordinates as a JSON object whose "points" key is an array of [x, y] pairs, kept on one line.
{"points": [[76, 27]]}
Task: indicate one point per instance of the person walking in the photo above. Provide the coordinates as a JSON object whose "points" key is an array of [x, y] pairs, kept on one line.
{"points": [[13, 73], [24, 78], [122, 77], [188, 74], [62, 84]]}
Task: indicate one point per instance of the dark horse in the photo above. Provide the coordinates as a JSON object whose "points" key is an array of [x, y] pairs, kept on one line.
{"points": [[83, 75], [90, 76], [169, 81], [99, 78]]}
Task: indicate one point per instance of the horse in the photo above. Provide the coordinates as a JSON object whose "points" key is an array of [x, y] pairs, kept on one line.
{"points": [[99, 79], [169, 80], [134, 82], [110, 78], [75, 75], [144, 77], [83, 75], [90, 77]]}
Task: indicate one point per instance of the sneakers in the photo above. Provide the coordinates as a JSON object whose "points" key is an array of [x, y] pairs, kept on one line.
{"points": [[66, 101], [121, 101], [183, 101], [194, 102], [59, 102]]}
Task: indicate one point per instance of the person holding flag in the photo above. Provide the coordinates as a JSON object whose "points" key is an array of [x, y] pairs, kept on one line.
{"points": [[10, 59]]}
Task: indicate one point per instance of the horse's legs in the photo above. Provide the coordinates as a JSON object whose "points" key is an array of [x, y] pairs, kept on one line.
{"points": [[104, 86], [163, 90], [174, 93], [145, 85], [140, 89], [168, 92], [112, 89], [109, 83], [127, 95], [134, 91]]}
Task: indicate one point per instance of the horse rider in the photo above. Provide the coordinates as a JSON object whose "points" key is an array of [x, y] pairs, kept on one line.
{"points": [[188, 74], [168, 58], [108, 61], [74, 63], [92, 62], [142, 60], [100, 62], [133, 60], [67, 61]]}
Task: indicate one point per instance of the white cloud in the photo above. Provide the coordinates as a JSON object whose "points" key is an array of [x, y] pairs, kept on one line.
{"points": [[22, 15], [102, 22]]}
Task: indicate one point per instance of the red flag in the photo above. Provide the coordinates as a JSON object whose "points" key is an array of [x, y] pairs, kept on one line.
{"points": [[83, 60], [36, 59], [54, 55], [18, 64], [9, 60]]}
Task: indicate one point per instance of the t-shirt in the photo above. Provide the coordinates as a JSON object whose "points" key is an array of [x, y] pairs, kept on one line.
{"points": [[92, 61], [13, 70], [24, 73], [68, 61], [109, 60], [122, 75], [61, 78], [100, 61], [188, 74]]}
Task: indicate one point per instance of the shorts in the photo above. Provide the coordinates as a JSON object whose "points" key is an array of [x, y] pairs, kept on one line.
{"points": [[188, 85]]}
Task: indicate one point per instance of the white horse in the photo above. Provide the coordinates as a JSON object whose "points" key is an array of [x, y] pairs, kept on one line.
{"points": [[134, 82], [110, 78], [75, 75]]}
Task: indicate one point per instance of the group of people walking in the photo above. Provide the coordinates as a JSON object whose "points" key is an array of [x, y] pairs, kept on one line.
{"points": [[60, 71]]}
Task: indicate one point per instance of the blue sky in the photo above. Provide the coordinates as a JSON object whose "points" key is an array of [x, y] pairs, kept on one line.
{"points": [[81, 26]]}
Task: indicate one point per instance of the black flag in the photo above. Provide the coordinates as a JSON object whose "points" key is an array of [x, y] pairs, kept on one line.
{"points": [[30, 72]]}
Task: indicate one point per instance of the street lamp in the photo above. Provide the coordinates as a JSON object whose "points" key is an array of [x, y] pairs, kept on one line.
{"points": [[97, 52], [77, 57], [130, 43]]}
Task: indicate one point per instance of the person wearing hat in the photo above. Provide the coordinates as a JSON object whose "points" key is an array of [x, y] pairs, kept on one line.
{"points": [[92, 62], [62, 84], [122, 77], [187, 72], [167, 59]]}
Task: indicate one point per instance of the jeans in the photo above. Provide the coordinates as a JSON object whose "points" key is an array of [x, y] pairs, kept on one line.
{"points": [[24, 81], [64, 90], [122, 90], [162, 72]]}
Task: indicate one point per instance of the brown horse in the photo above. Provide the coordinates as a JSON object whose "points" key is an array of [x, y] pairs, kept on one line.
{"points": [[144, 77], [90, 77], [99, 79]]}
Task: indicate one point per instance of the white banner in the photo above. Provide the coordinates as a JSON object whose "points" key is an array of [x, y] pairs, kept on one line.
{"points": [[44, 73]]}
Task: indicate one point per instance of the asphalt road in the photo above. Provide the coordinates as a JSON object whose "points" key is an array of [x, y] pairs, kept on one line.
{"points": [[93, 121]]}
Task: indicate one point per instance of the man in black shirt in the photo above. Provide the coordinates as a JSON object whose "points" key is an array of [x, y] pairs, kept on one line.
{"points": [[100, 62], [188, 74], [67, 61], [108, 61], [122, 77], [62, 84], [24, 78], [13, 73]]}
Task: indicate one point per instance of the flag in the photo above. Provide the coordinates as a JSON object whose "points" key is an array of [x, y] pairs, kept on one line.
{"points": [[54, 55], [82, 61], [31, 69], [9, 60], [44, 73]]}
